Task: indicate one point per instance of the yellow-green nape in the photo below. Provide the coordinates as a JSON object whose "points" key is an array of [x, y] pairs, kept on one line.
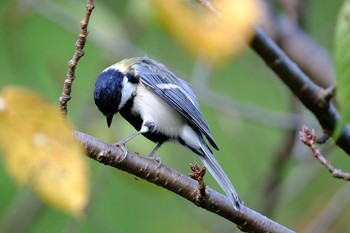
{"points": [[125, 64]]}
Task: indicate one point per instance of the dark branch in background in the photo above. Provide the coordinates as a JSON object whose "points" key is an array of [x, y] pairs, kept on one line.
{"points": [[315, 98], [302, 49], [79, 52], [294, 11], [149, 169], [312, 96], [308, 137], [272, 191]]}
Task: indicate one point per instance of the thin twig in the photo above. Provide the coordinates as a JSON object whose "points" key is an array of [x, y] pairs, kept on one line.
{"points": [[79, 52], [308, 137]]}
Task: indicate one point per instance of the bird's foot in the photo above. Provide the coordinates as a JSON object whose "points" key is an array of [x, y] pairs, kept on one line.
{"points": [[237, 203], [156, 158], [121, 145]]}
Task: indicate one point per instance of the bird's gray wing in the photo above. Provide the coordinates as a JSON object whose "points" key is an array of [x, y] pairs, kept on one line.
{"points": [[175, 92]]}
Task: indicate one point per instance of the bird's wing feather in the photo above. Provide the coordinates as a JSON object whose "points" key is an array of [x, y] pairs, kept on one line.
{"points": [[176, 93]]}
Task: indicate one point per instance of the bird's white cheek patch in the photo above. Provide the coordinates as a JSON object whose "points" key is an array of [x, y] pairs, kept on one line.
{"points": [[127, 91]]}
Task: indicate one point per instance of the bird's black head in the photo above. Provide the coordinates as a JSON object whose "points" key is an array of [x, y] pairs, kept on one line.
{"points": [[108, 92]]}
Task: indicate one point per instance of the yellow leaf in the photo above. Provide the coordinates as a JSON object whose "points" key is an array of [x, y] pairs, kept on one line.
{"points": [[40, 149], [206, 34]]}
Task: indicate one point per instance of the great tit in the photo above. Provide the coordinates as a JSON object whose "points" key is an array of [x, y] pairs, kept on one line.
{"points": [[160, 106]]}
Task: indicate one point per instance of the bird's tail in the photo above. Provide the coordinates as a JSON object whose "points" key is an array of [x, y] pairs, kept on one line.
{"points": [[220, 176]]}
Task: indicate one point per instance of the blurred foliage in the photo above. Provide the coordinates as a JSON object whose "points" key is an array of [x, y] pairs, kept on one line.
{"points": [[212, 36], [42, 151], [37, 40], [342, 61]]}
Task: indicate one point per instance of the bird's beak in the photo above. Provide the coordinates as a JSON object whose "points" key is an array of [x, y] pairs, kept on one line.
{"points": [[109, 119]]}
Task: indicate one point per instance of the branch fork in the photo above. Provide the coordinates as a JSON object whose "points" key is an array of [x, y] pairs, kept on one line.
{"points": [[308, 137]]}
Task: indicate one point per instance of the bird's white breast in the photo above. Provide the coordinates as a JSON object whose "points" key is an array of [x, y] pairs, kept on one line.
{"points": [[153, 109]]}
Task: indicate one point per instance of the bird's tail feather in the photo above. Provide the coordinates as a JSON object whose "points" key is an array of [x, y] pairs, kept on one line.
{"points": [[220, 176]]}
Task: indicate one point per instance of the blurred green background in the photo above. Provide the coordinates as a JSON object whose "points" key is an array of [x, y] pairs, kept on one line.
{"points": [[251, 123]]}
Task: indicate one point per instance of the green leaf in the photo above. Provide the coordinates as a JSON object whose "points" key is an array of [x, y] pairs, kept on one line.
{"points": [[342, 61]]}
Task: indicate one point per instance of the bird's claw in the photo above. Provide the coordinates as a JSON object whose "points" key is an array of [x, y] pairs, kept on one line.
{"points": [[156, 158], [123, 148]]}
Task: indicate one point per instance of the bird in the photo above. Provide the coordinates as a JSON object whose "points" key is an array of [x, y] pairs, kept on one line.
{"points": [[160, 106]]}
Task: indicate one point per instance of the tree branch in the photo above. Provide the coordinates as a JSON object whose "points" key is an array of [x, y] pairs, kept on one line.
{"points": [[79, 53], [313, 59], [314, 98], [150, 170]]}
